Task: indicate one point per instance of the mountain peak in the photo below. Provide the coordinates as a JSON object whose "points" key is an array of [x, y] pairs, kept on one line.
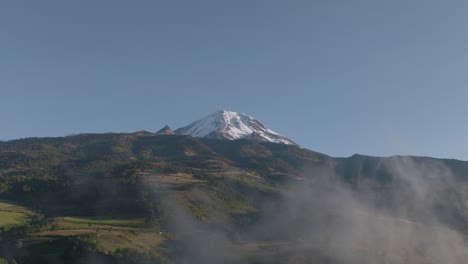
{"points": [[166, 130], [230, 125]]}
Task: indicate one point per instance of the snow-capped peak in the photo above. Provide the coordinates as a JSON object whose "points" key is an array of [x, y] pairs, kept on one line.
{"points": [[230, 125]]}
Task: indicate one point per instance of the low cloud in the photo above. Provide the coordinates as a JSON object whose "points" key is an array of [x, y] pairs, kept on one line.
{"points": [[417, 215]]}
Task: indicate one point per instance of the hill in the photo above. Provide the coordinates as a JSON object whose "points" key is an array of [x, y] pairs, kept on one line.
{"points": [[168, 198]]}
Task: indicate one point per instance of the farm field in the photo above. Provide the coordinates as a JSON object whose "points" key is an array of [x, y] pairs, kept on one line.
{"points": [[12, 214]]}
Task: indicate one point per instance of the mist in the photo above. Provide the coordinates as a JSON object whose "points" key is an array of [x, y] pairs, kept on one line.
{"points": [[416, 215]]}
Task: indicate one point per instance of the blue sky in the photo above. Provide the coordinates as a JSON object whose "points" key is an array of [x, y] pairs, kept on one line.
{"points": [[339, 77]]}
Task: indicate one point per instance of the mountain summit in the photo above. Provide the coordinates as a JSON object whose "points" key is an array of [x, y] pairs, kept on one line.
{"points": [[166, 130], [229, 125]]}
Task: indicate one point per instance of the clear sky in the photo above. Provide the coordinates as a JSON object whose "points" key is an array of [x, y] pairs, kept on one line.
{"points": [[373, 77]]}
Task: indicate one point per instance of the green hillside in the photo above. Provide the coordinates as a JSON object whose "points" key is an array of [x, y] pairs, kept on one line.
{"points": [[146, 198]]}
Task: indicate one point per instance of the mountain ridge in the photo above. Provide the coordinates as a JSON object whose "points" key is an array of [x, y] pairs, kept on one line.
{"points": [[151, 177]]}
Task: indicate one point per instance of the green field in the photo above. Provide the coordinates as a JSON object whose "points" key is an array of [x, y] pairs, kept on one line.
{"points": [[112, 233], [12, 214], [138, 222]]}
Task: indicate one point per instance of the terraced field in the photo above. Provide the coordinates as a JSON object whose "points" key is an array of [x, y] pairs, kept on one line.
{"points": [[135, 223], [12, 214], [112, 233]]}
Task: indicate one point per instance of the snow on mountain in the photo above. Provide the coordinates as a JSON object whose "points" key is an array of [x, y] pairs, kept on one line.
{"points": [[230, 125]]}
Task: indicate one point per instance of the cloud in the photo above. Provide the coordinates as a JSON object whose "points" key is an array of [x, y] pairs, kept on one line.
{"points": [[415, 217]]}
